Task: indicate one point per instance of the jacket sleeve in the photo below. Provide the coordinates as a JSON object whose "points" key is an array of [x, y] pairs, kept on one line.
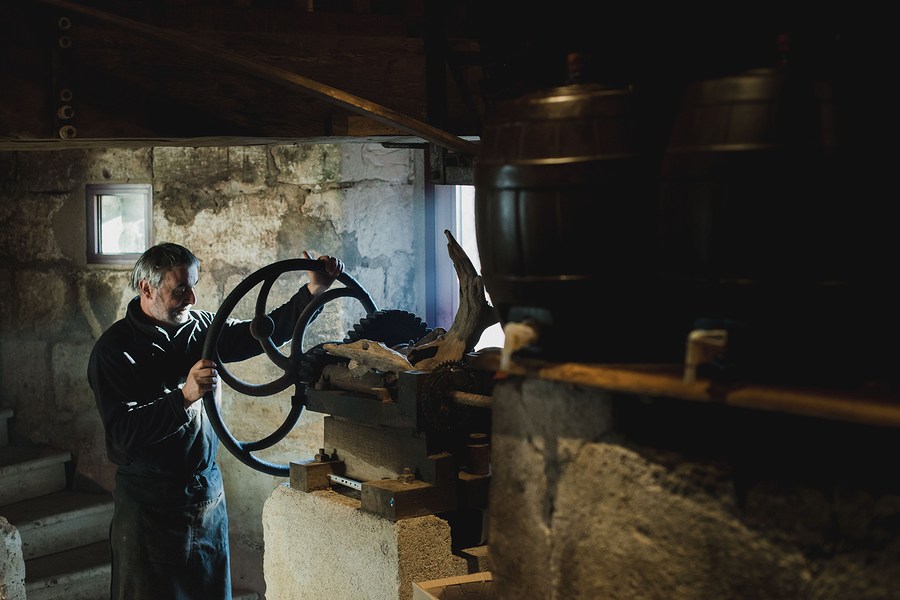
{"points": [[237, 343], [133, 417]]}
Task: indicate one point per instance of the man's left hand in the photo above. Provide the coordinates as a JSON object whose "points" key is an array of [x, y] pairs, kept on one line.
{"points": [[319, 281]]}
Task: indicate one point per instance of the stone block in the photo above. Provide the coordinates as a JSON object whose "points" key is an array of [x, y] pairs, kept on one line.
{"points": [[321, 545], [12, 564], [367, 162], [307, 164]]}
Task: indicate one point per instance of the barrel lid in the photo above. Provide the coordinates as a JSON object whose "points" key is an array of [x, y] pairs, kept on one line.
{"points": [[581, 122], [572, 101]]}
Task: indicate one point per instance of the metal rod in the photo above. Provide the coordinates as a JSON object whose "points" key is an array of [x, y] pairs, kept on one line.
{"points": [[350, 483]]}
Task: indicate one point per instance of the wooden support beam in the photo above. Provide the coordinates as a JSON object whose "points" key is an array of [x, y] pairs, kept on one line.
{"points": [[282, 77]]}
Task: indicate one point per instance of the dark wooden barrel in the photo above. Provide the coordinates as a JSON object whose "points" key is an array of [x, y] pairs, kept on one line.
{"points": [[764, 229], [564, 214], [754, 186]]}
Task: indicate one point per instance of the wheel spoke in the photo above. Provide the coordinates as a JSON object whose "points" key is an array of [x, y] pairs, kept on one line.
{"points": [[262, 328]]}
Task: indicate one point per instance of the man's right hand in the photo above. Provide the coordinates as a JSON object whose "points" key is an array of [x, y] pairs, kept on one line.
{"points": [[202, 378]]}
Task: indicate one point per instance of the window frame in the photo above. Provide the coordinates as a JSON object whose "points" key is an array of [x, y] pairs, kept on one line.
{"points": [[94, 191]]}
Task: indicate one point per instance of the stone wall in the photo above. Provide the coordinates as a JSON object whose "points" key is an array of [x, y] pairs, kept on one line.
{"points": [[602, 495], [238, 209]]}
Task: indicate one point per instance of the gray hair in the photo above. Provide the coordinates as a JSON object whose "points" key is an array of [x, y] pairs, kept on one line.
{"points": [[155, 262]]}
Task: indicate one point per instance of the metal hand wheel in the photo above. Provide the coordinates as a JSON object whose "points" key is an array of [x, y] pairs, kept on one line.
{"points": [[262, 327]]}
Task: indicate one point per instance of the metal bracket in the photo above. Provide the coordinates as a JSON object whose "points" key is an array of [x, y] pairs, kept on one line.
{"points": [[450, 168]]}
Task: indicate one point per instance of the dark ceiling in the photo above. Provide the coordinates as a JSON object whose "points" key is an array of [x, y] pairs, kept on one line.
{"points": [[186, 71]]}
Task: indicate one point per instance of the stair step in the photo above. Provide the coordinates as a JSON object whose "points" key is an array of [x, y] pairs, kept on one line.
{"points": [[60, 521], [79, 574], [65, 534], [5, 415], [31, 472]]}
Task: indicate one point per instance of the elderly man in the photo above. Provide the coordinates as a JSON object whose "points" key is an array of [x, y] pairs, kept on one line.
{"points": [[169, 532]]}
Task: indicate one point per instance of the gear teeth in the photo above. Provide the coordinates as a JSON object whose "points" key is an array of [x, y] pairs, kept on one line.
{"points": [[314, 361], [391, 327], [437, 408]]}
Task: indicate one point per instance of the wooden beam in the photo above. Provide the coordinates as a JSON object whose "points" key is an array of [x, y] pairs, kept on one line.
{"points": [[865, 406], [282, 77]]}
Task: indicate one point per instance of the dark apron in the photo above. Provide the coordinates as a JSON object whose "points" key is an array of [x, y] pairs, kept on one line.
{"points": [[167, 550]]}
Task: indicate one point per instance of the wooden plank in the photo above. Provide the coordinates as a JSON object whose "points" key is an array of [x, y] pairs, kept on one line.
{"points": [[388, 449], [283, 20], [301, 16], [26, 102], [355, 125], [51, 144], [386, 71], [375, 452], [225, 60], [879, 407], [365, 409]]}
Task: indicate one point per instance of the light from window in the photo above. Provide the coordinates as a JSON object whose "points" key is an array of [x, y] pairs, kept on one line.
{"points": [[456, 212], [118, 224]]}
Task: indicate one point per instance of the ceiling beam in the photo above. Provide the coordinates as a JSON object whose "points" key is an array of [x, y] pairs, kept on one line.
{"points": [[283, 78]]}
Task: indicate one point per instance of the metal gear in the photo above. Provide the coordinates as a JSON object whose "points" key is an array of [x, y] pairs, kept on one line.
{"points": [[313, 363], [440, 411], [391, 327]]}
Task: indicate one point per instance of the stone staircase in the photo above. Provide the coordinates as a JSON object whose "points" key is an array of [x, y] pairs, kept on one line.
{"points": [[65, 533]]}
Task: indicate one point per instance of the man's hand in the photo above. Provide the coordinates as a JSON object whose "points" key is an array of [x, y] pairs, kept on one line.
{"points": [[319, 281], [202, 378]]}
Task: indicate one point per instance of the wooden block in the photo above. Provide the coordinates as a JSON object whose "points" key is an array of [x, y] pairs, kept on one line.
{"points": [[394, 500], [473, 490], [312, 475]]}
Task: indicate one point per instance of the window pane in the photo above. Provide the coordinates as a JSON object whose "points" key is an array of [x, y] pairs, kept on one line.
{"points": [[118, 222], [122, 224]]}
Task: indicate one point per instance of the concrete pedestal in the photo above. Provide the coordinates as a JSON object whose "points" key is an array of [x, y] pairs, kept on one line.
{"points": [[321, 545]]}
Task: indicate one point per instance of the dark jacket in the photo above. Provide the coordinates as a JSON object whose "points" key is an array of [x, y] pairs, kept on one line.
{"points": [[136, 369], [169, 531]]}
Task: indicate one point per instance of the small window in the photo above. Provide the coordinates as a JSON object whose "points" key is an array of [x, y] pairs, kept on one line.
{"points": [[118, 222]]}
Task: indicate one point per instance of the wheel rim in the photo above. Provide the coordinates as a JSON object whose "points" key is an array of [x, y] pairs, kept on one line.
{"points": [[289, 364]]}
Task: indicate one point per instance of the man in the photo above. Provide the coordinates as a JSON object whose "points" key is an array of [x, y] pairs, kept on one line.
{"points": [[169, 531]]}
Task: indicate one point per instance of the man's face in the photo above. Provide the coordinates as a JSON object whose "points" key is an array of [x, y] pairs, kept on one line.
{"points": [[170, 303]]}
